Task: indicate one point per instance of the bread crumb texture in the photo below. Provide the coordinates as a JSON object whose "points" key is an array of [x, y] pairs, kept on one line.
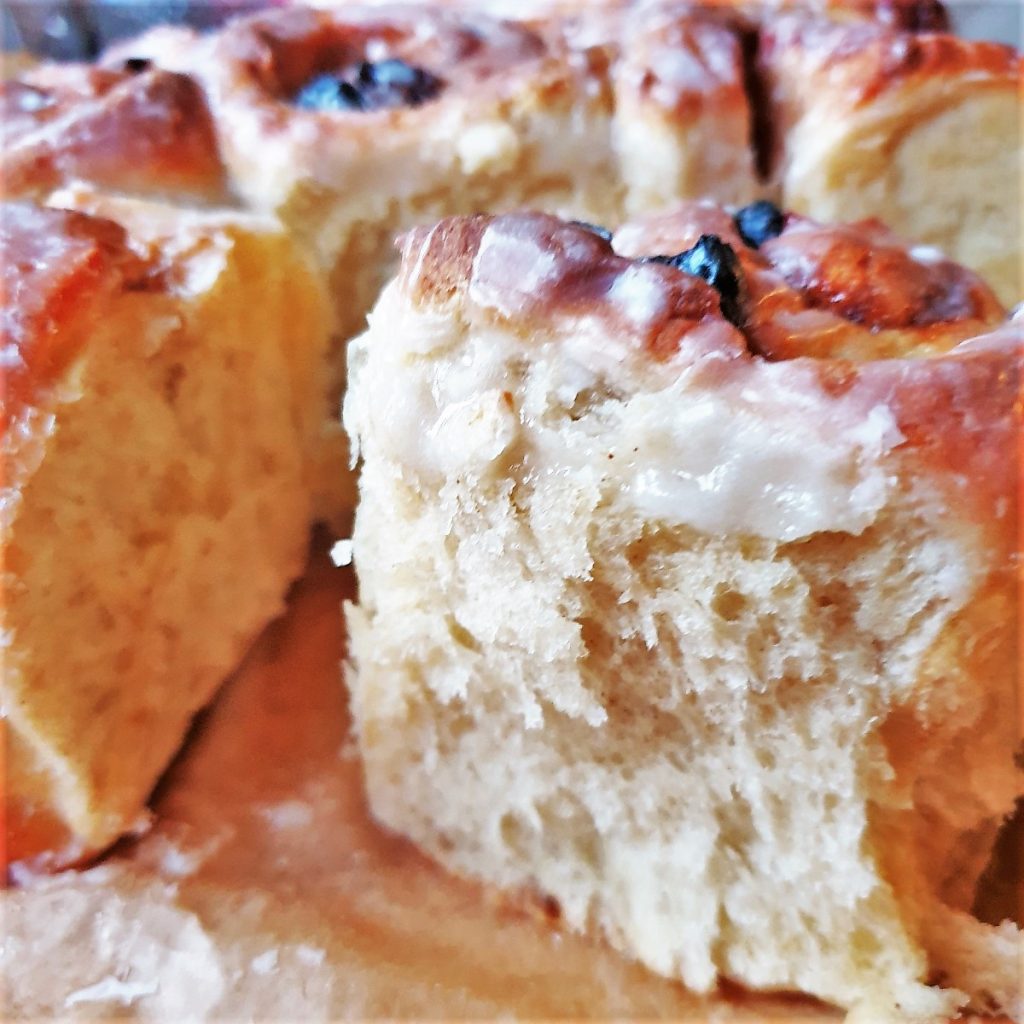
{"points": [[156, 504], [777, 756]]}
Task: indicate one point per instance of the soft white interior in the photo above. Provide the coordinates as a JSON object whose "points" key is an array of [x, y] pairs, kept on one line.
{"points": [[659, 704]]}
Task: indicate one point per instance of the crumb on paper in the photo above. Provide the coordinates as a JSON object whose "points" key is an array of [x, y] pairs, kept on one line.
{"points": [[341, 553], [113, 989], [265, 963]]}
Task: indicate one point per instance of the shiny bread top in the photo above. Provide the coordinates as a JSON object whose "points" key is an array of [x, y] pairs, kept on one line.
{"points": [[134, 128]]}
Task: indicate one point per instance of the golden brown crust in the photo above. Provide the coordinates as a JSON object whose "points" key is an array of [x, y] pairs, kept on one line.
{"points": [[863, 273], [860, 276], [527, 269], [142, 131], [852, 65], [854, 291], [56, 265]]}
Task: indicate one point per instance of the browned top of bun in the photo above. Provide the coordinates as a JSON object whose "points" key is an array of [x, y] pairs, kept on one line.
{"points": [[133, 129], [275, 54], [528, 269], [57, 266], [854, 291], [858, 62]]}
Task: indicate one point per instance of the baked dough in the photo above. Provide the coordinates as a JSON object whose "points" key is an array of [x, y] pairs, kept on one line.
{"points": [[131, 128], [682, 122], [921, 130], [703, 627], [164, 392], [601, 115], [519, 116], [265, 891]]}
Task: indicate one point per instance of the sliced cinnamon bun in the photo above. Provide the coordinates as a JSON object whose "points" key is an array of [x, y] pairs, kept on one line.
{"points": [[687, 591], [164, 393]]}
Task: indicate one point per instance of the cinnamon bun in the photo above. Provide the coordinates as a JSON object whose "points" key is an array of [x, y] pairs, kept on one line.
{"points": [[357, 122], [687, 591]]}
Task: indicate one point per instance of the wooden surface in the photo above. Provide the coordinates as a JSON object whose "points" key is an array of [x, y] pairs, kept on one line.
{"points": [[265, 891]]}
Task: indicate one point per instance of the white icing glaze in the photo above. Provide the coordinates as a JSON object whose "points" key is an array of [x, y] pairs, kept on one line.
{"points": [[639, 293], [510, 264], [746, 447], [745, 463]]}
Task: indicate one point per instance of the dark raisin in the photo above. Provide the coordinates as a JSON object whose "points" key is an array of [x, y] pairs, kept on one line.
{"points": [[758, 222], [912, 15], [393, 83], [136, 65], [713, 261], [595, 229], [370, 86], [329, 92]]}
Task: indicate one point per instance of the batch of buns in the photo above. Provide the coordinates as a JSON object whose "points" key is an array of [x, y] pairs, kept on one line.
{"points": [[685, 496]]}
